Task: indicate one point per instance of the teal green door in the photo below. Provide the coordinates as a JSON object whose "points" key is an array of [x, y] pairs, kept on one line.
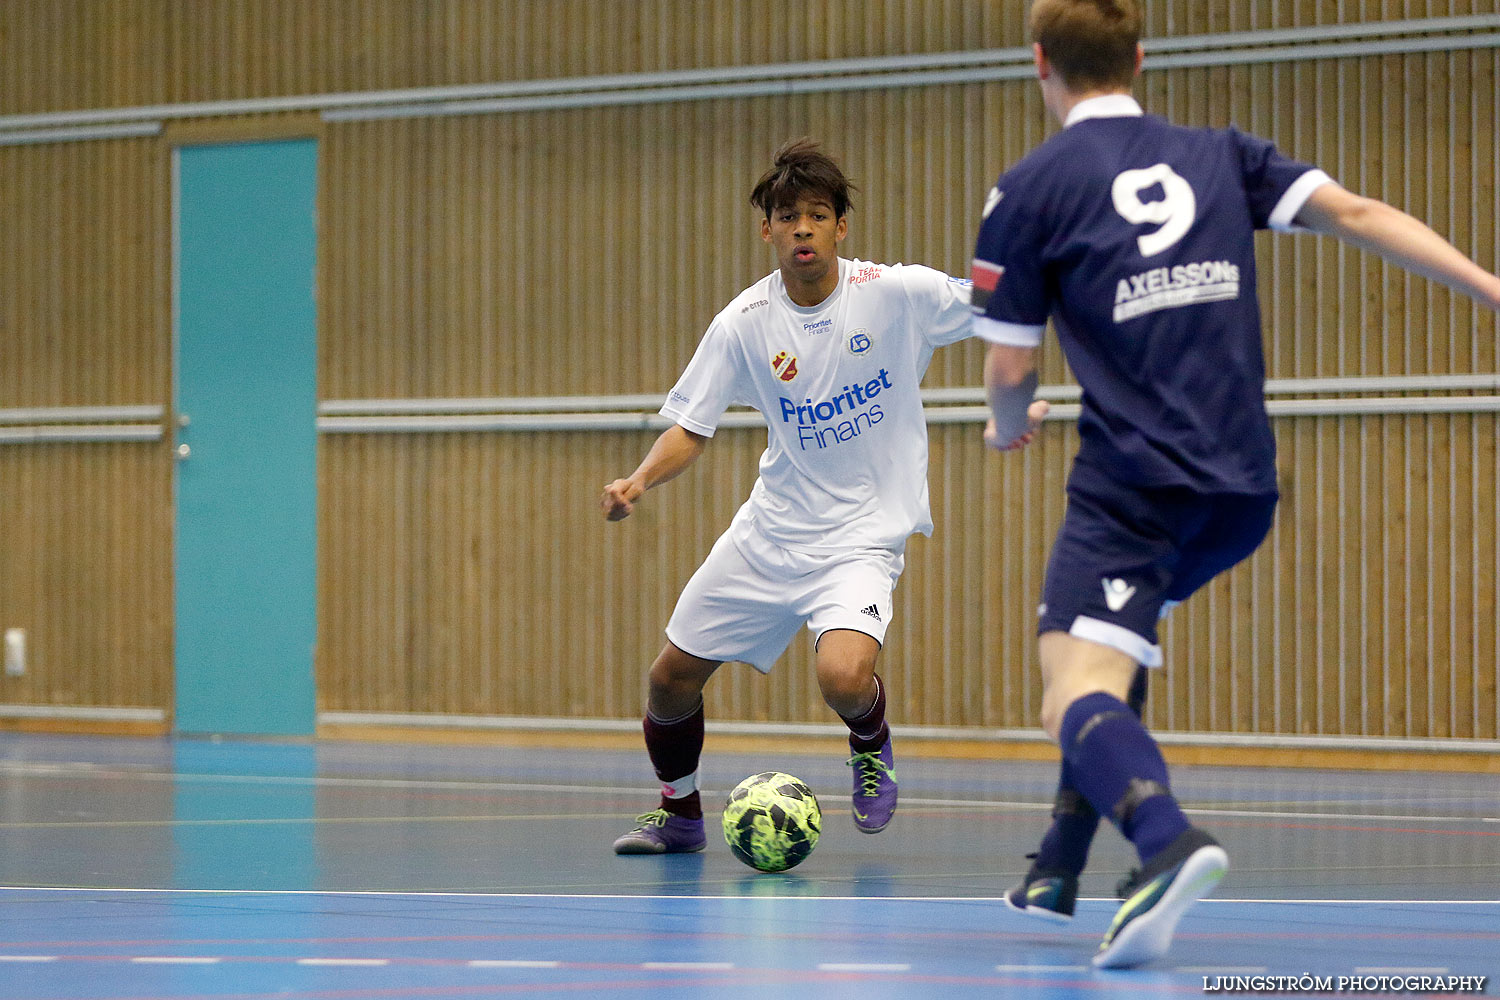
{"points": [[246, 440]]}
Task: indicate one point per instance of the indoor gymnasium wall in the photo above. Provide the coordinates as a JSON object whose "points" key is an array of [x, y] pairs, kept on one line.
{"points": [[1370, 611], [83, 54], [85, 527], [581, 252]]}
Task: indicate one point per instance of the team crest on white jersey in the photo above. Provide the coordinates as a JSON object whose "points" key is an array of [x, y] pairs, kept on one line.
{"points": [[860, 342], [785, 366]]}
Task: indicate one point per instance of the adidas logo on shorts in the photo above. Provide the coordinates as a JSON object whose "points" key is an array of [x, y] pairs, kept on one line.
{"points": [[872, 611]]}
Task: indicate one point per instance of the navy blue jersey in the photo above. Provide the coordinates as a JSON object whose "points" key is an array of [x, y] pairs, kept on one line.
{"points": [[1135, 236]]}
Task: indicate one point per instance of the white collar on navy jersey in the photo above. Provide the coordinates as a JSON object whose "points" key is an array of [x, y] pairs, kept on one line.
{"points": [[1107, 106]]}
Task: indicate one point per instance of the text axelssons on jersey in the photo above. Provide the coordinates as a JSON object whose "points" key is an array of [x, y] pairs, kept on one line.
{"points": [[855, 405], [1170, 287]]}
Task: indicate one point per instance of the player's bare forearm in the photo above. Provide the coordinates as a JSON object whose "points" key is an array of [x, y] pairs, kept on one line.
{"points": [[1010, 380], [673, 451], [1403, 240]]}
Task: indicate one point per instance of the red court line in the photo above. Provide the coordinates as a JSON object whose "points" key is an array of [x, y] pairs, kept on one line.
{"points": [[832, 937], [1115, 983], [1311, 932], [839, 936], [1343, 828], [489, 989]]}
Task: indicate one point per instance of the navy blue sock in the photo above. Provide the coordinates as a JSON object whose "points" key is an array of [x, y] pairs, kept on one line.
{"points": [[1118, 767], [1074, 822]]}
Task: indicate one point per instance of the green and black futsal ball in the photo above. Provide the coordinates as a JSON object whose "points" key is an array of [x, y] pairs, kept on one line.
{"points": [[772, 821]]}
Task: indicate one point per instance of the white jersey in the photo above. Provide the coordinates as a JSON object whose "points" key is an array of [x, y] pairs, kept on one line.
{"points": [[845, 464]]}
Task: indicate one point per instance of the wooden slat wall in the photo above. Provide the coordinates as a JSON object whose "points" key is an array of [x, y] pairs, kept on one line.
{"points": [[583, 252], [69, 54], [1273, 647], [84, 289], [496, 589], [87, 571], [86, 529]]}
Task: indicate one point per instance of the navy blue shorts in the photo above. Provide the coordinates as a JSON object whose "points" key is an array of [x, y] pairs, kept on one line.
{"points": [[1126, 554]]}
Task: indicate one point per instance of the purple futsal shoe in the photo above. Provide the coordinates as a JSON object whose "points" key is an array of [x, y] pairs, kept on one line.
{"points": [[662, 832], [874, 788]]}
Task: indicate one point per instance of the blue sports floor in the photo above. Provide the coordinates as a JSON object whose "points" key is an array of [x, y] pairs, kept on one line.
{"points": [[161, 869]]}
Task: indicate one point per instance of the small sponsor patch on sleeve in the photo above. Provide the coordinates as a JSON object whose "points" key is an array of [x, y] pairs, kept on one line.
{"points": [[986, 277]]}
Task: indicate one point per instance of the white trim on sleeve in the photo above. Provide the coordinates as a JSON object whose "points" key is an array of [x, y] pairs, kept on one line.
{"points": [[1117, 637], [1296, 196], [1009, 334], [697, 427]]}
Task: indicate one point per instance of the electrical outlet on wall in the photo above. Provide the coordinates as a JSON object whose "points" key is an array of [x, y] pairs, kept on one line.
{"points": [[15, 652]]}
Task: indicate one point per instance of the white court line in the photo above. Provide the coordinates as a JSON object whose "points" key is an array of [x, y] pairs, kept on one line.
{"points": [[1214, 811], [688, 966], [283, 779], [864, 967], [853, 967], [511, 786], [779, 900], [105, 824], [111, 824]]}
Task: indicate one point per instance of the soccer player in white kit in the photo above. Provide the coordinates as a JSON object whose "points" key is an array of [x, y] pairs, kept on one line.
{"points": [[832, 351]]}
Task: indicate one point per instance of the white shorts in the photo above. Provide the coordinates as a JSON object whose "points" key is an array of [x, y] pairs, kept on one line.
{"points": [[749, 598]]}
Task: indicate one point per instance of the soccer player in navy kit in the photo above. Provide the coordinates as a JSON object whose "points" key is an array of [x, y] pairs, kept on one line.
{"points": [[832, 352], [1134, 236]]}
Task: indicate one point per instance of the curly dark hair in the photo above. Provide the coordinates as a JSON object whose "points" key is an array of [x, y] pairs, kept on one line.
{"points": [[799, 170]]}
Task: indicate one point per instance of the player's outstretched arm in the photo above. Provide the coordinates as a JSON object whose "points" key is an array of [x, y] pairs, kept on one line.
{"points": [[675, 450], [1373, 225], [1010, 381]]}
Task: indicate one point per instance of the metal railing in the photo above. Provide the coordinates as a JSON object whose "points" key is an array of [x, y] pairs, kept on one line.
{"points": [[1316, 397], [34, 425], [1438, 34]]}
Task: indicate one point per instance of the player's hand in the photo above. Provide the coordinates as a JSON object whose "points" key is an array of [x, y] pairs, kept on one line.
{"points": [[1035, 414], [618, 499]]}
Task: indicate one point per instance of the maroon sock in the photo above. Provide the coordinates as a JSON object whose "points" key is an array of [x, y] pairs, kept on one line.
{"points": [[868, 732], [688, 807], [674, 747]]}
